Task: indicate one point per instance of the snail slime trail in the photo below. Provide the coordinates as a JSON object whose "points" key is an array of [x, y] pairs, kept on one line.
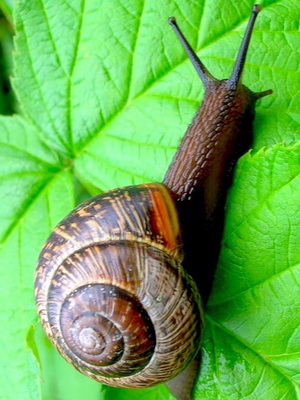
{"points": [[112, 288]]}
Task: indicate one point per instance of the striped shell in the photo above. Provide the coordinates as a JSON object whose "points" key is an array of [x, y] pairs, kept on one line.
{"points": [[111, 293]]}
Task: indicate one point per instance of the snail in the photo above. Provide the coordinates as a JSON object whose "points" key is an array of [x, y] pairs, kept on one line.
{"points": [[113, 283]]}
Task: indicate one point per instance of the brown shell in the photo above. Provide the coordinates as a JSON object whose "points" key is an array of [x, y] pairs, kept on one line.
{"points": [[111, 292]]}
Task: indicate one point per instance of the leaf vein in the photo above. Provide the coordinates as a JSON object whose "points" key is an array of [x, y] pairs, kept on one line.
{"points": [[146, 89], [264, 357], [259, 206], [268, 280], [127, 97], [70, 75], [28, 203], [106, 162], [38, 86]]}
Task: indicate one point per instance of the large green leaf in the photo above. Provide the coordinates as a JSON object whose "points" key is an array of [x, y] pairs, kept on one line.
{"points": [[33, 201], [253, 312], [106, 93], [96, 78]]}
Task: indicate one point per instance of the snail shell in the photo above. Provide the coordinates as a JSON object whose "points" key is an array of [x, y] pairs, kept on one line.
{"points": [[112, 294]]}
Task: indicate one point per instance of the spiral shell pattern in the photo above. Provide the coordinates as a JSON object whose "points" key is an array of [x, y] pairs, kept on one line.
{"points": [[111, 293]]}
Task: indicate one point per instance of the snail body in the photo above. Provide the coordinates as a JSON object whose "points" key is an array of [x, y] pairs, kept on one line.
{"points": [[113, 286]]}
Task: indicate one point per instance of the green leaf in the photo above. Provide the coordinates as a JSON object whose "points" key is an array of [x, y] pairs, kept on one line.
{"points": [[106, 93], [25, 168], [155, 393], [32, 203], [6, 7], [252, 340], [140, 91]]}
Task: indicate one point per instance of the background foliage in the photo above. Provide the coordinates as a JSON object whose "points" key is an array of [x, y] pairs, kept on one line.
{"points": [[105, 93]]}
